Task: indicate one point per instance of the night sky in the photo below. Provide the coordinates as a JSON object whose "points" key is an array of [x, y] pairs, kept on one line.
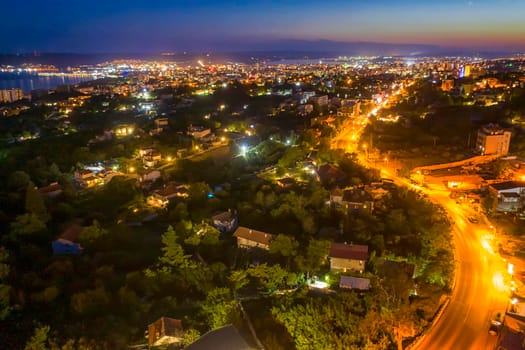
{"points": [[186, 25]]}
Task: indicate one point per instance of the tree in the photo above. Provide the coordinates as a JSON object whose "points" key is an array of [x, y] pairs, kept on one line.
{"points": [[26, 225], [39, 339], [271, 278], [218, 308], [284, 245], [205, 234], [90, 302], [316, 254], [190, 336], [239, 279], [172, 252], [91, 234], [34, 203], [4, 287]]}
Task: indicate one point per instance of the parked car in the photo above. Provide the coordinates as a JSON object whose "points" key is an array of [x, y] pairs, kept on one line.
{"points": [[473, 219], [493, 329]]}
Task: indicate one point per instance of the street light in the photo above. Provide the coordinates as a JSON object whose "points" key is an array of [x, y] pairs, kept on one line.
{"points": [[365, 147]]}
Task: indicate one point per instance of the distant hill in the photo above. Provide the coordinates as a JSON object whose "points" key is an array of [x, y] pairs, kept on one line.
{"points": [[268, 50]]}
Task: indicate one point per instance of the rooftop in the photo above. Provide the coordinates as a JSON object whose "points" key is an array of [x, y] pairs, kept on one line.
{"points": [[349, 251], [225, 338], [253, 235], [354, 283], [507, 185]]}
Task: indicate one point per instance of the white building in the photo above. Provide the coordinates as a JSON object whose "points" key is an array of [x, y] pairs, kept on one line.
{"points": [[493, 140]]}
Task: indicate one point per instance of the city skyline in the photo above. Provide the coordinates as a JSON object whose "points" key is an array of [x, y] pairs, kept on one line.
{"points": [[141, 26]]}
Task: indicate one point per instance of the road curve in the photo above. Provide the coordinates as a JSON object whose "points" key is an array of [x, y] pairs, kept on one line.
{"points": [[479, 284]]}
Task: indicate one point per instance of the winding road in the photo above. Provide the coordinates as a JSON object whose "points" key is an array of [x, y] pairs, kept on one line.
{"points": [[480, 281]]}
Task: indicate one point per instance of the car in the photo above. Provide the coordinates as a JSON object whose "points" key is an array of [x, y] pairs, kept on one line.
{"points": [[493, 329], [473, 219]]}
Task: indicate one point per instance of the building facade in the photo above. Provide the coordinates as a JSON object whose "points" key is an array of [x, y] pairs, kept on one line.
{"points": [[11, 95], [493, 140]]}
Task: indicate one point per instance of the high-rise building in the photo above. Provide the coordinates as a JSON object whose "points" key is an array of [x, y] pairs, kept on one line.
{"points": [[467, 70], [493, 140], [464, 71], [11, 95], [447, 85]]}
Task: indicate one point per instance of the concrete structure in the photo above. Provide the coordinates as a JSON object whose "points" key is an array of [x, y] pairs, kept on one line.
{"points": [[493, 140], [320, 101], [248, 238], [11, 95], [509, 195], [348, 257]]}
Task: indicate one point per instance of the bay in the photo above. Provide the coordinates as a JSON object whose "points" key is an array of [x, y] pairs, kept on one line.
{"points": [[29, 82]]}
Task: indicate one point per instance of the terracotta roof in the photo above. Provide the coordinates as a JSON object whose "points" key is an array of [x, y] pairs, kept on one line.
{"points": [[72, 233], [354, 283], [173, 189], [52, 187], [253, 235], [349, 251], [356, 195]]}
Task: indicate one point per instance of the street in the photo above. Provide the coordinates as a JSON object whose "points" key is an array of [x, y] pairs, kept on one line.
{"points": [[479, 283]]}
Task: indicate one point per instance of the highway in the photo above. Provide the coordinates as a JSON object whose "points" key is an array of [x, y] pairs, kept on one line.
{"points": [[480, 284]]}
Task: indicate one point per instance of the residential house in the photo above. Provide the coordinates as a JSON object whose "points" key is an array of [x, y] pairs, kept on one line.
{"points": [[330, 175], [198, 132], [357, 199], [161, 198], [52, 190], [286, 182], [509, 195], [183, 152], [349, 282], [87, 178], [165, 331], [67, 242], [248, 238], [348, 257], [225, 221], [336, 197], [225, 338], [161, 123], [150, 156], [150, 176]]}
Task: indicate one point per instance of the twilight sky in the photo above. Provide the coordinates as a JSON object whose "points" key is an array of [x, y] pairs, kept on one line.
{"points": [[200, 25]]}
